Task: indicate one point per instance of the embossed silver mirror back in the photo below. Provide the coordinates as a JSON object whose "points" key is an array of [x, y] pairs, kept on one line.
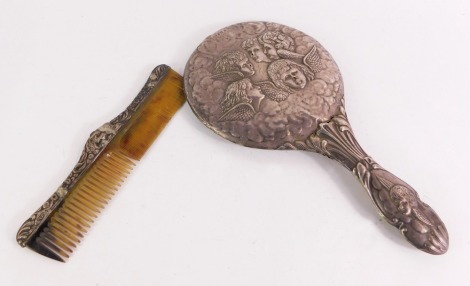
{"points": [[263, 84], [269, 86]]}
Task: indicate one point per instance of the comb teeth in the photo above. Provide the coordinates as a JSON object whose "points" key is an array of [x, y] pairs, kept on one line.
{"points": [[58, 226], [68, 225]]}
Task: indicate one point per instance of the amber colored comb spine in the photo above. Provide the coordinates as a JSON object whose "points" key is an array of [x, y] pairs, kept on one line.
{"points": [[110, 153]]}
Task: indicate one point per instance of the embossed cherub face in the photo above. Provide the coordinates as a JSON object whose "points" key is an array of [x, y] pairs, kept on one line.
{"points": [[255, 50], [270, 51], [254, 93], [234, 62], [294, 78], [272, 41], [246, 67], [404, 199], [242, 91], [287, 75]]}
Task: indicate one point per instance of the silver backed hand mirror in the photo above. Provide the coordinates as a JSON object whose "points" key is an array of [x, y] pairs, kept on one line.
{"points": [[269, 86]]}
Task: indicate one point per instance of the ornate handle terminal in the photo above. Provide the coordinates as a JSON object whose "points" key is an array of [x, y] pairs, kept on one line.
{"points": [[395, 200]]}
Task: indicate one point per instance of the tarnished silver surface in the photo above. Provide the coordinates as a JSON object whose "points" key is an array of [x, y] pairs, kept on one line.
{"points": [[269, 86], [263, 84]]}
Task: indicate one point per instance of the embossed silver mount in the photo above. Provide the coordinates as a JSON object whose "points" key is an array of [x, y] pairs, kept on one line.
{"points": [[395, 200], [265, 85], [94, 146]]}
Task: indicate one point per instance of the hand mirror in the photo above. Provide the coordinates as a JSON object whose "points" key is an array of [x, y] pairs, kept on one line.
{"points": [[269, 86]]}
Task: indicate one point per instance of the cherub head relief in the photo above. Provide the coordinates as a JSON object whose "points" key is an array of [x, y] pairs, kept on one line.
{"points": [[255, 50], [242, 91], [289, 75], [273, 41], [403, 198], [234, 62]]}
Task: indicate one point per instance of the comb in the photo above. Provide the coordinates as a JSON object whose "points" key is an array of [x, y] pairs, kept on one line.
{"points": [[110, 153]]}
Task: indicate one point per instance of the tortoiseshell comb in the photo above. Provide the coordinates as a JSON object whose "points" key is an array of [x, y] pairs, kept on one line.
{"points": [[110, 153]]}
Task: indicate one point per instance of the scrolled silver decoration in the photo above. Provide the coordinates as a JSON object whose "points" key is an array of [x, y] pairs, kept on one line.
{"points": [[395, 200]]}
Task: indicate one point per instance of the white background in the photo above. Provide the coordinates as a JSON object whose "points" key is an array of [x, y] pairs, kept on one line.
{"points": [[199, 210]]}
